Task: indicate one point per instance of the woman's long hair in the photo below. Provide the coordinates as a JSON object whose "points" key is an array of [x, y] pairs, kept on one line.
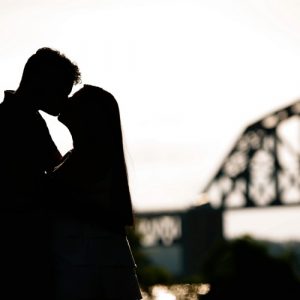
{"points": [[100, 118]]}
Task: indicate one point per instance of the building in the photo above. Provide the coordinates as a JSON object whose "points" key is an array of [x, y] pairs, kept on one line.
{"points": [[179, 241]]}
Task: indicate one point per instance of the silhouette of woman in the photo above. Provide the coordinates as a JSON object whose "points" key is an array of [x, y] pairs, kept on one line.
{"points": [[93, 257]]}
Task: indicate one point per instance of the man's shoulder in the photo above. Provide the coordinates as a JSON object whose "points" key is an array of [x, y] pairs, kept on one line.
{"points": [[7, 103], [16, 118], [5, 112]]}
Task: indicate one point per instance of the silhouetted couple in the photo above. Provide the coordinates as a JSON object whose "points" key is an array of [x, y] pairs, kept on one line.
{"points": [[63, 219]]}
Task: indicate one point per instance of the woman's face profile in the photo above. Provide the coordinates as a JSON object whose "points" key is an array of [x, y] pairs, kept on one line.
{"points": [[71, 115]]}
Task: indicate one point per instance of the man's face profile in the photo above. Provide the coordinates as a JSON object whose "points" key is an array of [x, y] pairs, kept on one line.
{"points": [[52, 94]]}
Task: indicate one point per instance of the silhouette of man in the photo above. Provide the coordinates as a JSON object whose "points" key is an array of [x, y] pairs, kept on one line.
{"points": [[26, 153]]}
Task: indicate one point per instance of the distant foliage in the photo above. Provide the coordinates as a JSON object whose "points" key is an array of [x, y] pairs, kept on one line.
{"points": [[244, 268]]}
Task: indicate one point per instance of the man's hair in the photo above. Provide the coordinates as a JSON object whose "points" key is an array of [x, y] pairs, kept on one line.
{"points": [[48, 62]]}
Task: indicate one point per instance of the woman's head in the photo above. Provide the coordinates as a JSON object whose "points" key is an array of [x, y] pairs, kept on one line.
{"points": [[92, 116]]}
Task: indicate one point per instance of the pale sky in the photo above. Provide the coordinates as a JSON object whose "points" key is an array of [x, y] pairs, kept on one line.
{"points": [[189, 76]]}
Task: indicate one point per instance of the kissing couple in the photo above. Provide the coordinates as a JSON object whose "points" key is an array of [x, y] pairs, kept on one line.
{"points": [[63, 218]]}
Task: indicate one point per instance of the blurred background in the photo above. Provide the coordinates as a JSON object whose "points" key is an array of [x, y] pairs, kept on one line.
{"points": [[208, 93]]}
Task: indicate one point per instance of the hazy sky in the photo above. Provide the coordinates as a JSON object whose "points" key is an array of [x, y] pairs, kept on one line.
{"points": [[189, 76]]}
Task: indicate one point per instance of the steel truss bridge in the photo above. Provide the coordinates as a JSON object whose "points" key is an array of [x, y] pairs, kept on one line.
{"points": [[263, 167]]}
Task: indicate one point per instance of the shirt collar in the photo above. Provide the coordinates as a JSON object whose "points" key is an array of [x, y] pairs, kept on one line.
{"points": [[11, 98]]}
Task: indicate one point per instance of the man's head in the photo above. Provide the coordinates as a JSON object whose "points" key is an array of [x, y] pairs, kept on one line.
{"points": [[47, 80]]}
